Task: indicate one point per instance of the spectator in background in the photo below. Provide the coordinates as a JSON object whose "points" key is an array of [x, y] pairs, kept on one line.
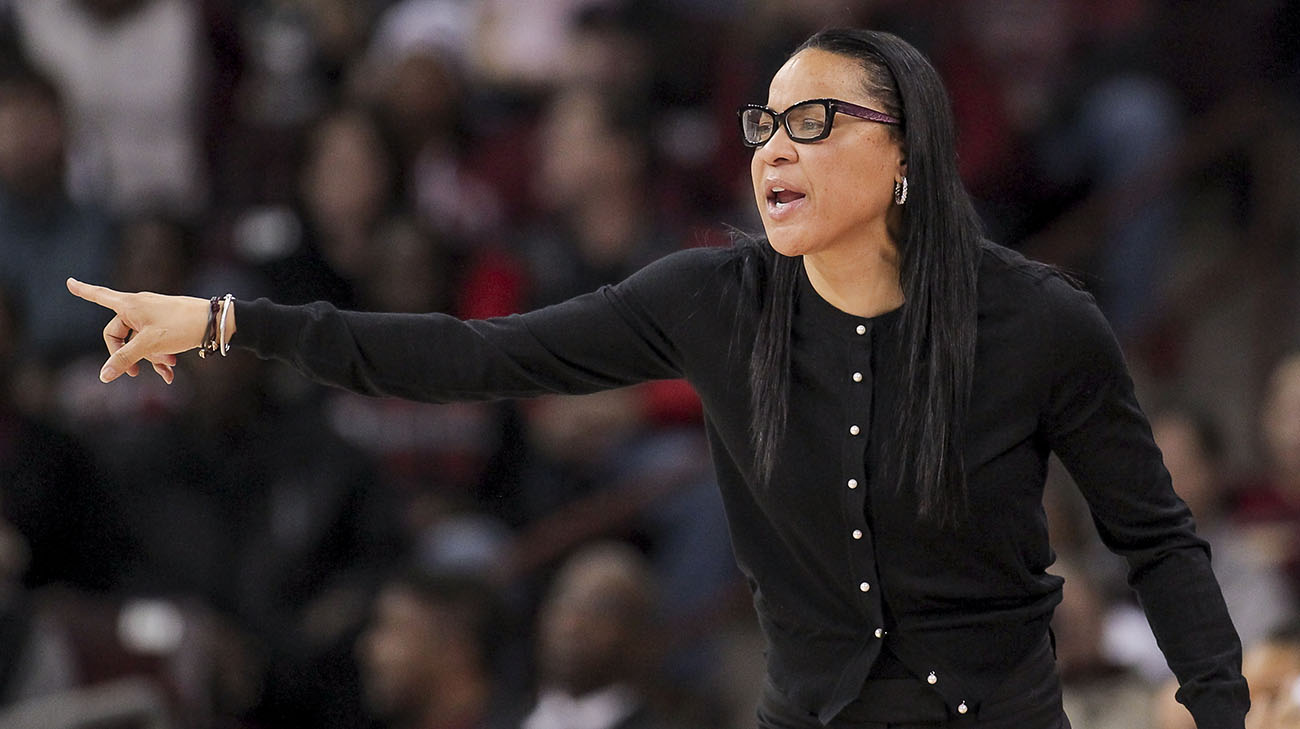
{"points": [[1099, 693], [414, 74], [51, 492], [155, 252], [1058, 101], [132, 72], [36, 471], [599, 225], [1255, 585], [1256, 591], [1272, 667], [43, 233], [442, 460], [426, 656], [1269, 506], [597, 644], [593, 186], [348, 183]]}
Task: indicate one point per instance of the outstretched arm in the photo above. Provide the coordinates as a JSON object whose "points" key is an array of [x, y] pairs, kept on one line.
{"points": [[644, 328]]}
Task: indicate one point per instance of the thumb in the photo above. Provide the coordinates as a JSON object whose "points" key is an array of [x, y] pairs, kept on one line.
{"points": [[123, 359]]}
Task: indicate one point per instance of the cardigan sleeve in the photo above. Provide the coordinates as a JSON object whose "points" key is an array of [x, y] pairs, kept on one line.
{"points": [[1096, 428], [615, 336]]}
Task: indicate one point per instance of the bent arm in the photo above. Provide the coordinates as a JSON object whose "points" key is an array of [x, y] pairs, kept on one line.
{"points": [[1099, 432]]}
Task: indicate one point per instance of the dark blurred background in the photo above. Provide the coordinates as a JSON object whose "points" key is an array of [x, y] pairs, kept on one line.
{"points": [[244, 549]]}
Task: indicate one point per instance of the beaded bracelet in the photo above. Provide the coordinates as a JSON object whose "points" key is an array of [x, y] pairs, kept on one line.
{"points": [[209, 343]]}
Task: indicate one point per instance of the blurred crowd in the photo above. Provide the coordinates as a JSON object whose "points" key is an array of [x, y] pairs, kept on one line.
{"points": [[246, 549]]}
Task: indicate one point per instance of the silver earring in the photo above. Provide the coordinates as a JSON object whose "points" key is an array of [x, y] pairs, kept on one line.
{"points": [[900, 191]]}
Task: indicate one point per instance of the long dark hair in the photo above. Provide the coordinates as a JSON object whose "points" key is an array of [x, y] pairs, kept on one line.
{"points": [[939, 254]]}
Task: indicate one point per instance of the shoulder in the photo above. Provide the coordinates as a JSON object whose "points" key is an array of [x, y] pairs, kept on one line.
{"points": [[1047, 318], [1011, 282], [704, 275]]}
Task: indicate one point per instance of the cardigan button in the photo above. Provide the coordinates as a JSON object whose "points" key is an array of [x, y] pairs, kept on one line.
{"points": [[853, 483], [857, 533], [880, 632], [857, 377], [862, 329], [932, 679], [854, 430], [961, 708], [865, 586]]}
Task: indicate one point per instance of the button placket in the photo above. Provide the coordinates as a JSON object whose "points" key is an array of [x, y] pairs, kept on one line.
{"points": [[858, 403]]}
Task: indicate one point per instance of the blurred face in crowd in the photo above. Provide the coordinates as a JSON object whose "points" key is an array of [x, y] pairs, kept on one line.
{"points": [[406, 653], [347, 176], [1281, 421], [1077, 623], [1190, 466], [592, 625], [583, 158], [831, 195], [420, 98], [31, 141]]}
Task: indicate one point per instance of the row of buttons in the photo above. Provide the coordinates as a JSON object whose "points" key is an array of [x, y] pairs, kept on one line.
{"points": [[853, 482], [857, 534], [933, 678]]}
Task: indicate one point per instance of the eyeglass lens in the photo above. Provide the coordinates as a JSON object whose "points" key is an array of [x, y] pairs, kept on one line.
{"points": [[805, 122]]}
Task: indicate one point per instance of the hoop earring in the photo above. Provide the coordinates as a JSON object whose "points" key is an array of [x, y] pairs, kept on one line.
{"points": [[900, 191]]}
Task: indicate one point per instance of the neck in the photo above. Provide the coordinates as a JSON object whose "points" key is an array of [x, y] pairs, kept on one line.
{"points": [[863, 281], [457, 704]]}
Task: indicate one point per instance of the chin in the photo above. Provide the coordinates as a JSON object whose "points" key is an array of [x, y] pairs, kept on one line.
{"points": [[786, 244]]}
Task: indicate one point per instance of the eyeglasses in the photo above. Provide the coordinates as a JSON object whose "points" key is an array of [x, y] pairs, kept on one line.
{"points": [[806, 121]]}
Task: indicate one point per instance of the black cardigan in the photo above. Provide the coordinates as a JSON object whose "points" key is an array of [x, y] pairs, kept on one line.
{"points": [[837, 560]]}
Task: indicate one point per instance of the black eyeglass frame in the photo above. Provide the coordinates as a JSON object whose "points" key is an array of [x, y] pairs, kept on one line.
{"points": [[832, 106]]}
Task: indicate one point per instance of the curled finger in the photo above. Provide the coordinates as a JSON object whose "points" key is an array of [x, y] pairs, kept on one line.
{"points": [[116, 334], [124, 360], [164, 371]]}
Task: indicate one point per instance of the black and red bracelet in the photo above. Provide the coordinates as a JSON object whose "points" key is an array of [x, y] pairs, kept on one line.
{"points": [[210, 343]]}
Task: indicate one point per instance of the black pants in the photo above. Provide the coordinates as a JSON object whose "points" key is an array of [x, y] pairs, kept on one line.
{"points": [[1029, 698]]}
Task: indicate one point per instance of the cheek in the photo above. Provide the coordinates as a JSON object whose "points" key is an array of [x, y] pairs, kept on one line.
{"points": [[756, 179]]}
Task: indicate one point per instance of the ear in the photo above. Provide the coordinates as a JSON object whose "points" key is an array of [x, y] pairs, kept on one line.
{"points": [[902, 164]]}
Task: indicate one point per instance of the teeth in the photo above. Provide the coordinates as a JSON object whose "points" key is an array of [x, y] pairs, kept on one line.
{"points": [[778, 189]]}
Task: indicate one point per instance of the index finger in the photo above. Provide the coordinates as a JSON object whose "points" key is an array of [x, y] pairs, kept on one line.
{"points": [[105, 297]]}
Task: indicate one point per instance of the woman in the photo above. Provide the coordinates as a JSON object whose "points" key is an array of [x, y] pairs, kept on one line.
{"points": [[882, 389]]}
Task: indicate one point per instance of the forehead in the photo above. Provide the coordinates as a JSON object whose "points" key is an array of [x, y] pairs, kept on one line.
{"points": [[815, 74]]}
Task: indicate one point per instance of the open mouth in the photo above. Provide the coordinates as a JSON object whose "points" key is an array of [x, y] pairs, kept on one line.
{"points": [[779, 198]]}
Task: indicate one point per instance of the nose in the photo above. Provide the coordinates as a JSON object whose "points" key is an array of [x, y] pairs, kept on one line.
{"points": [[779, 149]]}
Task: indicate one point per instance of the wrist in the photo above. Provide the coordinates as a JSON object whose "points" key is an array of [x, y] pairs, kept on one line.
{"points": [[220, 326]]}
